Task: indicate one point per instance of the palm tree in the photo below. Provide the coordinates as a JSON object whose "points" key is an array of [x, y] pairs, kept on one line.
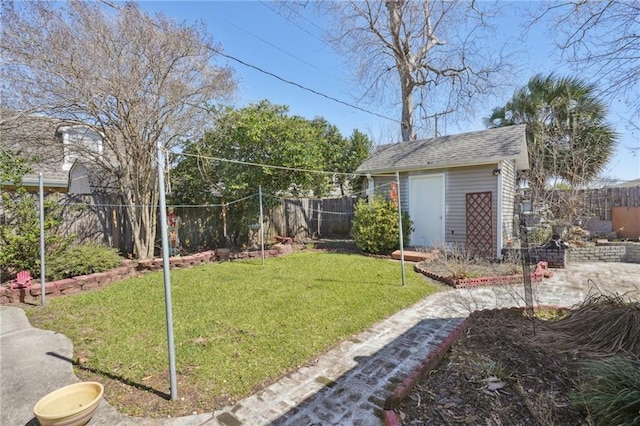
{"points": [[568, 136]]}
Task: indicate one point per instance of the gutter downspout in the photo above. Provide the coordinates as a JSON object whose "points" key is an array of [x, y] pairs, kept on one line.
{"points": [[499, 215]]}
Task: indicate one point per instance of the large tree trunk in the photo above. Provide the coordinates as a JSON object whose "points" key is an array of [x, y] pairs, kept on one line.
{"points": [[142, 216], [404, 63], [407, 112]]}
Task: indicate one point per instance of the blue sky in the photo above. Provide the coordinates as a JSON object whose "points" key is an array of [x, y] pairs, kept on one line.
{"points": [[254, 32]]}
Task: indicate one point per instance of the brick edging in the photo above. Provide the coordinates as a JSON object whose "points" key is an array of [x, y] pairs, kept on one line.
{"points": [[540, 272], [432, 360], [128, 269]]}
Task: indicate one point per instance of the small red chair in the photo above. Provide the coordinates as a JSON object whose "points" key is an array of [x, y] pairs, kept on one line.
{"points": [[23, 280]]}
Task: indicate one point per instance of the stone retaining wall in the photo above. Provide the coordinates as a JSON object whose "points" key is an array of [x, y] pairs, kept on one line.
{"points": [[555, 258], [598, 254], [128, 269], [632, 254], [608, 251]]}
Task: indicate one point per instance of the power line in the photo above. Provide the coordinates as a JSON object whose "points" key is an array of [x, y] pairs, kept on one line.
{"points": [[284, 3], [265, 4], [300, 86], [279, 48], [255, 67]]}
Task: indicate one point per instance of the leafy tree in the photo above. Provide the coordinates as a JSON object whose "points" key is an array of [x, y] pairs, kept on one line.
{"points": [[263, 133], [429, 52], [20, 226], [137, 80], [343, 155], [568, 136]]}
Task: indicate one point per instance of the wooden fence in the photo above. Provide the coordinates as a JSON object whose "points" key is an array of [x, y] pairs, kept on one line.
{"points": [[308, 218], [598, 202], [102, 218], [593, 203]]}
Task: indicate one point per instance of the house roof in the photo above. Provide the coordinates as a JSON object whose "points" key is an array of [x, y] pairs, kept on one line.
{"points": [[466, 149], [39, 139], [36, 138]]}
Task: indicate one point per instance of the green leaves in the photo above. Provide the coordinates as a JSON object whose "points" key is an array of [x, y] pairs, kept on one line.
{"points": [[375, 226], [569, 137], [12, 167], [264, 133]]}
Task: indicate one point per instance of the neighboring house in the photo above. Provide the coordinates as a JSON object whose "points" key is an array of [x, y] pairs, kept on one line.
{"points": [[65, 153], [457, 189]]}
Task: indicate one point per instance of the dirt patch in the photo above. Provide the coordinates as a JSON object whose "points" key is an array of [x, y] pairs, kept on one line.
{"points": [[472, 270], [505, 369]]}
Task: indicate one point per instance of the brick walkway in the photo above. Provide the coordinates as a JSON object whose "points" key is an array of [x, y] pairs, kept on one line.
{"points": [[348, 385]]}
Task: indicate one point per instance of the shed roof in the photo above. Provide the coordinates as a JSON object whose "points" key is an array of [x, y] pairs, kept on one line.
{"points": [[465, 149]]}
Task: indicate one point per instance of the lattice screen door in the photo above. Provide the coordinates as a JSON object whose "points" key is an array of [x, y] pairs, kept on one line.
{"points": [[480, 223]]}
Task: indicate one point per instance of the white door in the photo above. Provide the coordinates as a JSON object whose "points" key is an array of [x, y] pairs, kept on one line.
{"points": [[426, 209]]}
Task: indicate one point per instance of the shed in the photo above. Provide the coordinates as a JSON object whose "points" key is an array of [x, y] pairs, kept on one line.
{"points": [[457, 189]]}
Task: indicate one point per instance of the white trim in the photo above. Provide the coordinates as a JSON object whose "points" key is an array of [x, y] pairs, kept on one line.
{"points": [[390, 171], [67, 145], [443, 218], [499, 213]]}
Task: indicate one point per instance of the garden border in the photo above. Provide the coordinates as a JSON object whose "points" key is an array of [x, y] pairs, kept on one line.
{"points": [[541, 271]]}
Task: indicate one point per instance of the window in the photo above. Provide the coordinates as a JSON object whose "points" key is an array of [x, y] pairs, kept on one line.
{"points": [[80, 142]]}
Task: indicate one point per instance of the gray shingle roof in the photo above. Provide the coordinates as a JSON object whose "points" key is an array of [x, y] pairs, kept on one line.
{"points": [[465, 149]]}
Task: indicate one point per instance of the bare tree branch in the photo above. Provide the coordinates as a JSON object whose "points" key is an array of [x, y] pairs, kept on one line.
{"points": [[435, 47], [601, 38], [139, 81]]}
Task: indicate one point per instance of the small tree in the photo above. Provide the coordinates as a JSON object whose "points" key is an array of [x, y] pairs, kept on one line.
{"points": [[375, 226], [137, 80], [20, 227]]}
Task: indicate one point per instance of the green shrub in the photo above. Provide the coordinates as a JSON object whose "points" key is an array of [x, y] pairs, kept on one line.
{"points": [[539, 235], [20, 221], [375, 226], [612, 391], [81, 260]]}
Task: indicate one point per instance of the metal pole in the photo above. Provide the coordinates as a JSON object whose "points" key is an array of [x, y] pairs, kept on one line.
{"points": [[167, 276], [261, 223], [42, 265], [400, 227]]}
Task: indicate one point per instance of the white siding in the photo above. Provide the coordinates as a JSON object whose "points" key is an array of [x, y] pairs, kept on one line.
{"points": [[509, 186], [460, 182]]}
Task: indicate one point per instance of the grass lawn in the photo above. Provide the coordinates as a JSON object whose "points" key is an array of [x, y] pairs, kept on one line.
{"points": [[238, 325]]}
